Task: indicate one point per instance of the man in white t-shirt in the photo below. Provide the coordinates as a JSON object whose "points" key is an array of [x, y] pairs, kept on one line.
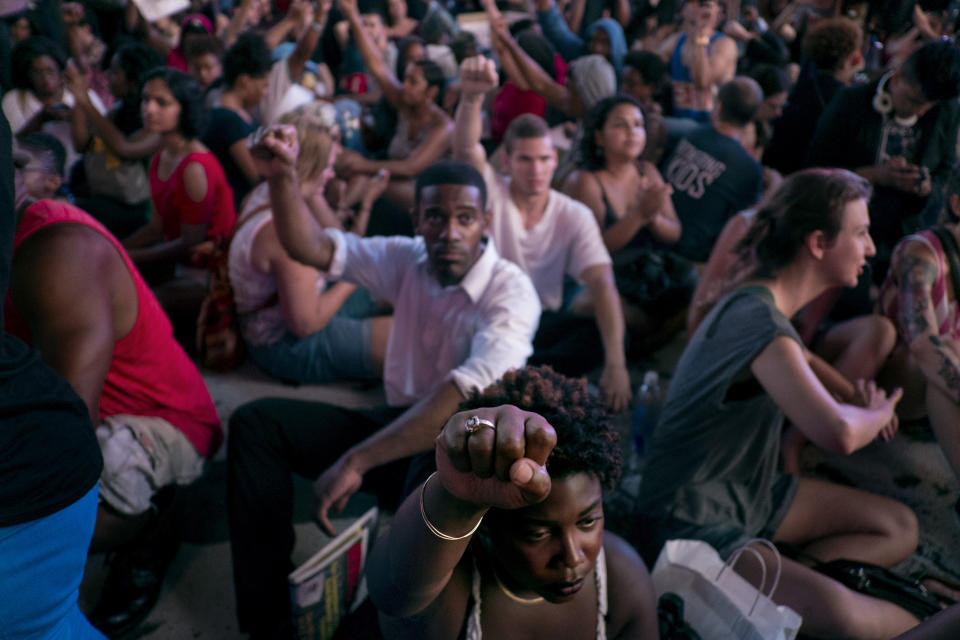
{"points": [[549, 235]]}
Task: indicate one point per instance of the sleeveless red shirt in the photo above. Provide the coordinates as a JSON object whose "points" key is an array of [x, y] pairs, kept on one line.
{"points": [[174, 206], [150, 374]]}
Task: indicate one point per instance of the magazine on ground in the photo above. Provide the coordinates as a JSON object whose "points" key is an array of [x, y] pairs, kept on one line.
{"points": [[330, 584]]}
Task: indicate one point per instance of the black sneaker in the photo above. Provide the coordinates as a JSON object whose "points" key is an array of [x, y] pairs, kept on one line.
{"points": [[130, 593], [135, 578]]}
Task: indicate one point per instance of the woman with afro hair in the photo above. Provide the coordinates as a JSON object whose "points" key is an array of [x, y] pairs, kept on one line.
{"points": [[528, 459]]}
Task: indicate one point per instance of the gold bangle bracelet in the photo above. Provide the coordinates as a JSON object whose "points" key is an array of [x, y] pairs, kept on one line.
{"points": [[433, 529]]}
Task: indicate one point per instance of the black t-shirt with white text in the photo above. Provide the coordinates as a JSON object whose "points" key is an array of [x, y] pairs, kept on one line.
{"points": [[713, 178]]}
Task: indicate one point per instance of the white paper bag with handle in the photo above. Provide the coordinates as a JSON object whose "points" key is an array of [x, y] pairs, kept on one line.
{"points": [[717, 602]]}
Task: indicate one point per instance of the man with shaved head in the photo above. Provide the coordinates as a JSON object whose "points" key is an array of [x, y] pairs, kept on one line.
{"points": [[712, 175]]}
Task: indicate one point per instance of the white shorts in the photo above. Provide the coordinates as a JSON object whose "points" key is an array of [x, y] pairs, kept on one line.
{"points": [[141, 455]]}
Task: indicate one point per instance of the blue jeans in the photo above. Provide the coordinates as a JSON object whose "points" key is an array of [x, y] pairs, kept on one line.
{"points": [[339, 351], [41, 565]]}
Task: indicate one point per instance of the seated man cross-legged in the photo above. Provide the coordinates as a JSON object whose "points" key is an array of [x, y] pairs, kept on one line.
{"points": [[550, 236], [462, 317]]}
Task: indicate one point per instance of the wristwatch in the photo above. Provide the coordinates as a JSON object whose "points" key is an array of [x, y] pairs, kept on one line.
{"points": [[702, 41]]}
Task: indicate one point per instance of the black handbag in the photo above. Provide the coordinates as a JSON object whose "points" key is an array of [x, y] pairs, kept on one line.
{"points": [[670, 619], [872, 580], [657, 281], [882, 583]]}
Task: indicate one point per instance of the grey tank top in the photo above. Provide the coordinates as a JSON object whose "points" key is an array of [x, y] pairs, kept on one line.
{"points": [[713, 456]]}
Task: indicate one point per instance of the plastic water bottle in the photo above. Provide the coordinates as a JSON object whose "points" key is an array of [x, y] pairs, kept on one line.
{"points": [[646, 410]]}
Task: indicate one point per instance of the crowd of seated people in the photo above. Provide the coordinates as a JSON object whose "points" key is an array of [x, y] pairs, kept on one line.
{"points": [[477, 220]]}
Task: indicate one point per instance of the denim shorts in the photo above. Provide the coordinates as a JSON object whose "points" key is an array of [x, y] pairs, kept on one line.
{"points": [[339, 351]]}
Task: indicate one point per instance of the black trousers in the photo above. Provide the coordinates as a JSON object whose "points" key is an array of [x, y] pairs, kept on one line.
{"points": [[269, 440]]}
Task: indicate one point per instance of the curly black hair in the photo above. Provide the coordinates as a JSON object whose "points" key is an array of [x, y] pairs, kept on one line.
{"points": [[248, 56], [202, 46], [936, 68], [136, 60], [591, 153], [24, 54], [586, 441]]}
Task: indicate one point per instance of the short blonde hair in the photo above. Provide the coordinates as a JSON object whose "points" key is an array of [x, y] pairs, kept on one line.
{"points": [[317, 131]]}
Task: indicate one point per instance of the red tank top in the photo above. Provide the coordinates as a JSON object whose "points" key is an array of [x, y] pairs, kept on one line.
{"points": [[175, 207], [150, 374]]}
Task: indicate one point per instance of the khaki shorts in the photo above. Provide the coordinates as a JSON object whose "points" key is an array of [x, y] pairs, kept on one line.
{"points": [[141, 455]]}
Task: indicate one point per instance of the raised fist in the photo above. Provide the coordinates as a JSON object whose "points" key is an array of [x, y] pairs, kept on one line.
{"points": [[274, 150], [496, 456], [348, 7], [477, 76]]}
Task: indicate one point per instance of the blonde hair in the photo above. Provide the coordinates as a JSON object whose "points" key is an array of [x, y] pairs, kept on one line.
{"points": [[317, 127]]}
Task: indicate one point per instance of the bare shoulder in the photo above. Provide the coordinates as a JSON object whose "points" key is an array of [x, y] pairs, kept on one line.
{"points": [[442, 119], [633, 601], [67, 246], [913, 247], [581, 183], [915, 261], [195, 181], [266, 249], [726, 45], [65, 262], [623, 562]]}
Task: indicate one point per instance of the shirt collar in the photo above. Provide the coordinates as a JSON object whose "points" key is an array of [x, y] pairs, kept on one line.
{"points": [[475, 281]]}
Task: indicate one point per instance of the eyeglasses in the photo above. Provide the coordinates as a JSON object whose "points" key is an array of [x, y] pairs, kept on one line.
{"points": [[44, 72]]}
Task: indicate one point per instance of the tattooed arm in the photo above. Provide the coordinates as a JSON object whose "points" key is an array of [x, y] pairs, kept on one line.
{"points": [[917, 271]]}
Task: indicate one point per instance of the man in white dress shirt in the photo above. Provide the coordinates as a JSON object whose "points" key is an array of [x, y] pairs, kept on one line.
{"points": [[463, 316]]}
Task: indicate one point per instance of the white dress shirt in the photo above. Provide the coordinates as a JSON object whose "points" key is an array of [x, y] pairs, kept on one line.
{"points": [[20, 106], [470, 333]]}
